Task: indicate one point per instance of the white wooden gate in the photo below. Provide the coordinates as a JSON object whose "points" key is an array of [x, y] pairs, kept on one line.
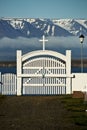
{"points": [[45, 76], [43, 73]]}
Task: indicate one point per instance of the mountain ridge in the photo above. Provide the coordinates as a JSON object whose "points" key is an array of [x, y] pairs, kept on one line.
{"points": [[36, 27]]}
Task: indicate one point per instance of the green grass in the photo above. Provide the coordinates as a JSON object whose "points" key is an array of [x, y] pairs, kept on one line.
{"points": [[77, 108]]}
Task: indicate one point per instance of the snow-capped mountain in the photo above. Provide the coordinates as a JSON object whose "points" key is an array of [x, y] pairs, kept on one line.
{"points": [[75, 27], [19, 27]]}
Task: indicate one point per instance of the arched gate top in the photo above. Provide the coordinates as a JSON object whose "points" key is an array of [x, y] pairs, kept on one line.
{"points": [[45, 52], [42, 53]]}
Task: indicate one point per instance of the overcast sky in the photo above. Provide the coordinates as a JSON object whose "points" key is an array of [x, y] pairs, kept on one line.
{"points": [[44, 8]]}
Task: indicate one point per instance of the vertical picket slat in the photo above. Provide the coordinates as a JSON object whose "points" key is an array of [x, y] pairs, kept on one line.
{"points": [[0, 83], [46, 85], [8, 84]]}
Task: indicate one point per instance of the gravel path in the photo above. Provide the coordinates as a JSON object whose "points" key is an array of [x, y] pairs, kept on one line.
{"points": [[34, 113]]}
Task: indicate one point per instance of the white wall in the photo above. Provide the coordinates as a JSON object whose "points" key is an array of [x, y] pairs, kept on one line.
{"points": [[79, 82]]}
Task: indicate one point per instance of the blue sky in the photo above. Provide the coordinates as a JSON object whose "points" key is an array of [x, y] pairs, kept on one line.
{"points": [[44, 8]]}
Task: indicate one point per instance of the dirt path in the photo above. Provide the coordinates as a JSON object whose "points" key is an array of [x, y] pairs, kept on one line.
{"points": [[34, 113]]}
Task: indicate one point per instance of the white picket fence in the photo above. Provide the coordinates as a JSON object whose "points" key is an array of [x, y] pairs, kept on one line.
{"points": [[8, 84], [39, 72]]}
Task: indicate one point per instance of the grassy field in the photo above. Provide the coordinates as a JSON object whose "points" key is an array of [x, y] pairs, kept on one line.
{"points": [[78, 110], [42, 113]]}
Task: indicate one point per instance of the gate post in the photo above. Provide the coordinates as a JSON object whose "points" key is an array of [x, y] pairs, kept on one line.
{"points": [[68, 72], [19, 67]]}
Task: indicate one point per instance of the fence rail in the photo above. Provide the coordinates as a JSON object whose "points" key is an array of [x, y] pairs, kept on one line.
{"points": [[8, 84]]}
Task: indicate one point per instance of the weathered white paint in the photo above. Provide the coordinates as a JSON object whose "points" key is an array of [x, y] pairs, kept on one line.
{"points": [[0, 83], [46, 52], [19, 71], [43, 75], [79, 81], [49, 69], [8, 86], [68, 72], [43, 40]]}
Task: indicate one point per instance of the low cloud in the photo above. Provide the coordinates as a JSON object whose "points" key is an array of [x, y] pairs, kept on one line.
{"points": [[9, 46]]}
